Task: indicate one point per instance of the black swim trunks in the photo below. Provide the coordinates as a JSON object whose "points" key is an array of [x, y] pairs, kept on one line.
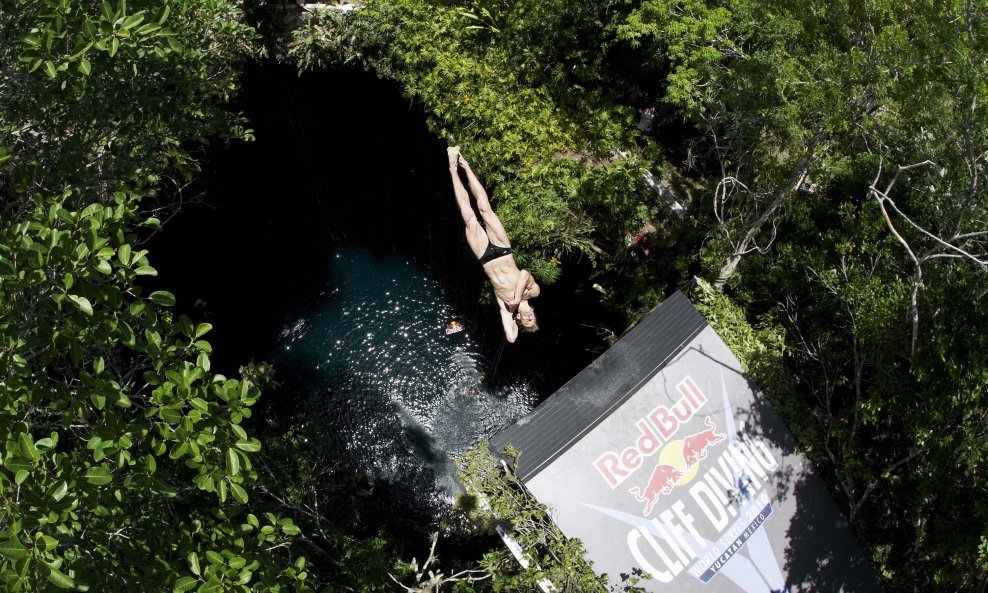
{"points": [[493, 252]]}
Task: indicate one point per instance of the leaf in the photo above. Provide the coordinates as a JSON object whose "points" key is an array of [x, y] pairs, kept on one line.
{"points": [[50, 69], [214, 557], [132, 21], [171, 414], [20, 476], [291, 529], [162, 297], [60, 491], [13, 549], [152, 223], [15, 464], [146, 271], [123, 254], [60, 579], [238, 493], [194, 563], [232, 462], [185, 584], [98, 475], [83, 303], [85, 67], [252, 446]]}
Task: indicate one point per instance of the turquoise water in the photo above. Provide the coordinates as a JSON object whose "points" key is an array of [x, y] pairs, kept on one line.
{"points": [[392, 389]]}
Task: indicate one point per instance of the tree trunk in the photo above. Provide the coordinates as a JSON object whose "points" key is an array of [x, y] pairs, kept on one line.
{"points": [[795, 179]]}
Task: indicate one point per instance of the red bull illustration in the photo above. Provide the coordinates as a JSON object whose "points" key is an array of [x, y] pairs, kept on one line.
{"points": [[695, 446], [663, 480]]}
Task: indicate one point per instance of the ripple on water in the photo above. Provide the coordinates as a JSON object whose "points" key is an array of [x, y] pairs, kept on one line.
{"points": [[393, 388]]}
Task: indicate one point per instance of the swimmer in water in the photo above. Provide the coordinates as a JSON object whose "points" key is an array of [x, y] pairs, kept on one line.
{"points": [[489, 242]]}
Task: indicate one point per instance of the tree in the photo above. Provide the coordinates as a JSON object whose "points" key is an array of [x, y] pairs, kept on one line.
{"points": [[125, 465]]}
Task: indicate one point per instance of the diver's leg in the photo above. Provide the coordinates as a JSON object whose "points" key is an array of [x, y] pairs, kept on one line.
{"points": [[495, 230], [476, 237]]}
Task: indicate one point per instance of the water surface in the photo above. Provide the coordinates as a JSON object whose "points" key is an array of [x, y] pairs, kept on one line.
{"points": [[391, 387]]}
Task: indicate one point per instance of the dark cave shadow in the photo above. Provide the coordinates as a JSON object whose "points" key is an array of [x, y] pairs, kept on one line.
{"points": [[341, 157]]}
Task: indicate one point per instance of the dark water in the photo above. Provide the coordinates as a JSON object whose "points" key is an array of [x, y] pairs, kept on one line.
{"points": [[393, 388], [332, 247]]}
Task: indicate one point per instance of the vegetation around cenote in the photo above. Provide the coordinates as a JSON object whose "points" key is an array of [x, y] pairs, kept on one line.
{"points": [[829, 159]]}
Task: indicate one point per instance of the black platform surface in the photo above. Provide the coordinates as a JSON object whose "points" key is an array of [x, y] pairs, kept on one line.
{"points": [[587, 399]]}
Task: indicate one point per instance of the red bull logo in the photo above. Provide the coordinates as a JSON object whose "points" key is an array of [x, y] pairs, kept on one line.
{"points": [[695, 446], [653, 430], [663, 480]]}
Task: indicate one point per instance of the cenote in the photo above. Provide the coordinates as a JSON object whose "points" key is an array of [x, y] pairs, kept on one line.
{"points": [[331, 248]]}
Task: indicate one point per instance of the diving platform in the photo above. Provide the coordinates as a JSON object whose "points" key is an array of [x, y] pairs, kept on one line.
{"points": [[665, 460]]}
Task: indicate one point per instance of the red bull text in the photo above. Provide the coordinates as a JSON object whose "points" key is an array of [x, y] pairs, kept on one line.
{"points": [[654, 430]]}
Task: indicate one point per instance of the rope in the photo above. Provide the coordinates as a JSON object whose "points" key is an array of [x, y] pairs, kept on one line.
{"points": [[302, 145], [497, 360]]}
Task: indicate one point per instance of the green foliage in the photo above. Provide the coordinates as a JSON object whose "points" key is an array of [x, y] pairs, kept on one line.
{"points": [[125, 465], [496, 497], [759, 347], [792, 112], [537, 153]]}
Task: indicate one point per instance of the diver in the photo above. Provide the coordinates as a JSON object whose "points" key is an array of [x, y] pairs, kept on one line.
{"points": [[489, 242]]}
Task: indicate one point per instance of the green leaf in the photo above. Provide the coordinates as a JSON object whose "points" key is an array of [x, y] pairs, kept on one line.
{"points": [[85, 67], [15, 464], [123, 254], [13, 549], [171, 414], [232, 462], [251, 446], [291, 529], [20, 476], [50, 69], [178, 449], [98, 475], [60, 579], [214, 557], [146, 271], [26, 445], [238, 493], [152, 223], [185, 584], [83, 304], [162, 297], [132, 21], [60, 491], [194, 563]]}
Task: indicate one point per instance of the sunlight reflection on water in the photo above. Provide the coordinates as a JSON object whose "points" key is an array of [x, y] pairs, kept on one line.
{"points": [[392, 387]]}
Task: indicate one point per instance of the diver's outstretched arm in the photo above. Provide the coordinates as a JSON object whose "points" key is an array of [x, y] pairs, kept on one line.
{"points": [[507, 321]]}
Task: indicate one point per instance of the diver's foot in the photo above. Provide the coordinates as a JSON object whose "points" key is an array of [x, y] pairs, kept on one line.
{"points": [[453, 154]]}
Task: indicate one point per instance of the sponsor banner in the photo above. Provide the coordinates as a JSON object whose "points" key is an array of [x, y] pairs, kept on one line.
{"points": [[694, 482]]}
